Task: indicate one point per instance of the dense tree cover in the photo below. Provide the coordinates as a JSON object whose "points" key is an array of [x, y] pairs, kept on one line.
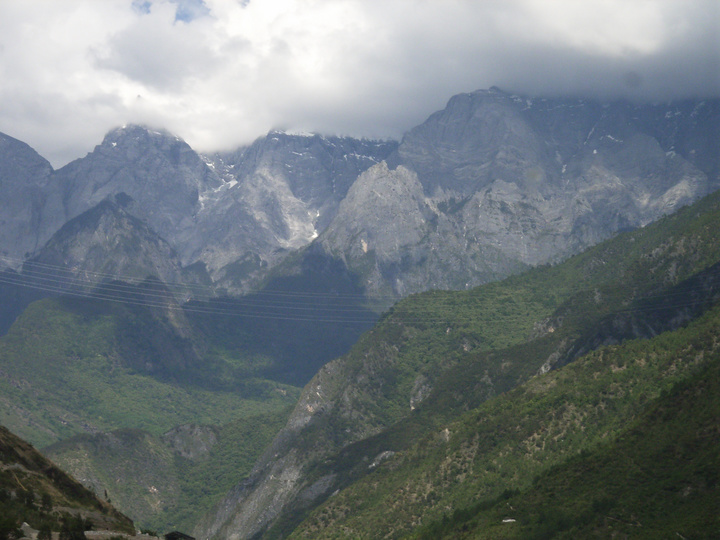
{"points": [[35, 491], [77, 365], [656, 477], [470, 347], [625, 434]]}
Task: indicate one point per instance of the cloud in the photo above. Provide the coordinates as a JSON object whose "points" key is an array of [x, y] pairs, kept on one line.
{"points": [[161, 50], [221, 72]]}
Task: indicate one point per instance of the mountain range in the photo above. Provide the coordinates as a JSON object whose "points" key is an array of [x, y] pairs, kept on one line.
{"points": [[492, 184], [408, 300]]}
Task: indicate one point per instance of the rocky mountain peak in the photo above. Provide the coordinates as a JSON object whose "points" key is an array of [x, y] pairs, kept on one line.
{"points": [[102, 244], [280, 193], [479, 137], [509, 181], [132, 141], [162, 175], [20, 164], [316, 168], [24, 175]]}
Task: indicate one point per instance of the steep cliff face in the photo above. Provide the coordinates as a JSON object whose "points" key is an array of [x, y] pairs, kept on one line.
{"points": [[23, 178], [236, 214], [400, 240], [545, 144], [318, 170], [496, 182], [103, 245], [100, 245], [162, 176], [281, 192]]}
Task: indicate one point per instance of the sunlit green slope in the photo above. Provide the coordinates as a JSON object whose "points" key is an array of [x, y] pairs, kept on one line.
{"points": [[70, 366], [440, 355]]}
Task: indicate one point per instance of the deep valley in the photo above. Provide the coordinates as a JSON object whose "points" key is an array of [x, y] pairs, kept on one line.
{"points": [[504, 325]]}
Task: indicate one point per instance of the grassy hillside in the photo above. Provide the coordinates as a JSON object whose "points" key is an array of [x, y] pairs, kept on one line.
{"points": [[656, 478], [439, 355], [35, 491], [638, 418], [112, 380], [74, 366], [166, 481]]}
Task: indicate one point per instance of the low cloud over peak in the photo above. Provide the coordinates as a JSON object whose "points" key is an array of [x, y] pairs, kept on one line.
{"points": [[221, 72]]}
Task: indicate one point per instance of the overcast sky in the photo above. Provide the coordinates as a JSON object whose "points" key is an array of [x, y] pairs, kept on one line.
{"points": [[220, 73]]}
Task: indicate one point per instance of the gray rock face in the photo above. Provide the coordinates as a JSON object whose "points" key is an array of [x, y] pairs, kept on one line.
{"points": [[317, 170], [100, 245], [161, 176], [401, 241], [477, 139], [280, 192], [484, 188], [496, 182], [23, 178], [236, 213]]}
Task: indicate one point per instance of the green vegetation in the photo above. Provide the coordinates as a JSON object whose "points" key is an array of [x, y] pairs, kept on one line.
{"points": [[64, 373], [441, 355], [35, 491], [204, 483], [109, 380], [626, 430], [656, 478], [166, 482]]}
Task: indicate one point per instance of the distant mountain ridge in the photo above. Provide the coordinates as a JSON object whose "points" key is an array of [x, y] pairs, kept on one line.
{"points": [[289, 186], [497, 182], [488, 186], [217, 210]]}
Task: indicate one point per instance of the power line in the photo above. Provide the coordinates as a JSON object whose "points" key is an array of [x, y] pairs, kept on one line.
{"points": [[203, 290], [60, 280]]}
